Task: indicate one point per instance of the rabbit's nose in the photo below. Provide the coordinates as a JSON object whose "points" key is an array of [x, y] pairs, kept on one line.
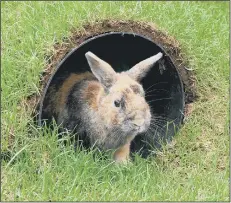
{"points": [[131, 116], [138, 122]]}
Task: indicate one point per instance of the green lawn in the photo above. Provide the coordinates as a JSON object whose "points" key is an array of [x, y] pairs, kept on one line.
{"points": [[195, 167]]}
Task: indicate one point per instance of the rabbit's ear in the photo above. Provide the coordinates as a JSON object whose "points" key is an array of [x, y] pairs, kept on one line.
{"points": [[101, 69], [139, 71]]}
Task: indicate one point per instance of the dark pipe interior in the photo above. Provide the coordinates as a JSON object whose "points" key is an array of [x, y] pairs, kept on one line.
{"points": [[122, 51]]}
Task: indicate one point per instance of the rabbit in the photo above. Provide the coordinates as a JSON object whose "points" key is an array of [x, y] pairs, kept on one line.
{"points": [[110, 107]]}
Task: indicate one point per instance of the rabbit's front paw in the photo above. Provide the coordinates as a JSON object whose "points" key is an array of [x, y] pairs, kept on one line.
{"points": [[121, 155]]}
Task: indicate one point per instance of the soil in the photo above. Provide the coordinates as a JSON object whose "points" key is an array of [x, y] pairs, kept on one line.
{"points": [[149, 30]]}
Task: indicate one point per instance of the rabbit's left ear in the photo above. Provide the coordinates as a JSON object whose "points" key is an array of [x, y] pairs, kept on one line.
{"points": [[101, 69], [139, 71]]}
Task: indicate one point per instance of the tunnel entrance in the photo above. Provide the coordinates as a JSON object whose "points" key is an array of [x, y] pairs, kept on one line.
{"points": [[169, 85]]}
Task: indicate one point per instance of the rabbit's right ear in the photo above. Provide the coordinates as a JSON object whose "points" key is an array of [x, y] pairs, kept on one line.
{"points": [[139, 71], [101, 69]]}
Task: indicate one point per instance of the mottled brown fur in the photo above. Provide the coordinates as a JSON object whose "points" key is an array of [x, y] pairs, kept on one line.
{"points": [[114, 121], [66, 87], [122, 154], [127, 90], [91, 94], [135, 89]]}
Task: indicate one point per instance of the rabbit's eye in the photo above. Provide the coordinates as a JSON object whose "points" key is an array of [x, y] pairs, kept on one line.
{"points": [[117, 103]]}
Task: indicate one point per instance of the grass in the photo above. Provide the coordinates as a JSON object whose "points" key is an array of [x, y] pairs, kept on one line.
{"points": [[194, 167]]}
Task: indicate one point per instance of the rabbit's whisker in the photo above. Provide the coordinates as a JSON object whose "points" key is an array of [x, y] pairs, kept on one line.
{"points": [[159, 99], [153, 90], [154, 85]]}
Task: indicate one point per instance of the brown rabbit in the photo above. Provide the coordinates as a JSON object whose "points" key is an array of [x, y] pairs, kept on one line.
{"points": [[110, 107]]}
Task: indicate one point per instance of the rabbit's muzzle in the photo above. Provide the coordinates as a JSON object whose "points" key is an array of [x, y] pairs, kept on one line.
{"points": [[138, 121]]}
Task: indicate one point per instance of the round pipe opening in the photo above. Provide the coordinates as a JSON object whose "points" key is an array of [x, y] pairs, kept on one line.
{"points": [[163, 85]]}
